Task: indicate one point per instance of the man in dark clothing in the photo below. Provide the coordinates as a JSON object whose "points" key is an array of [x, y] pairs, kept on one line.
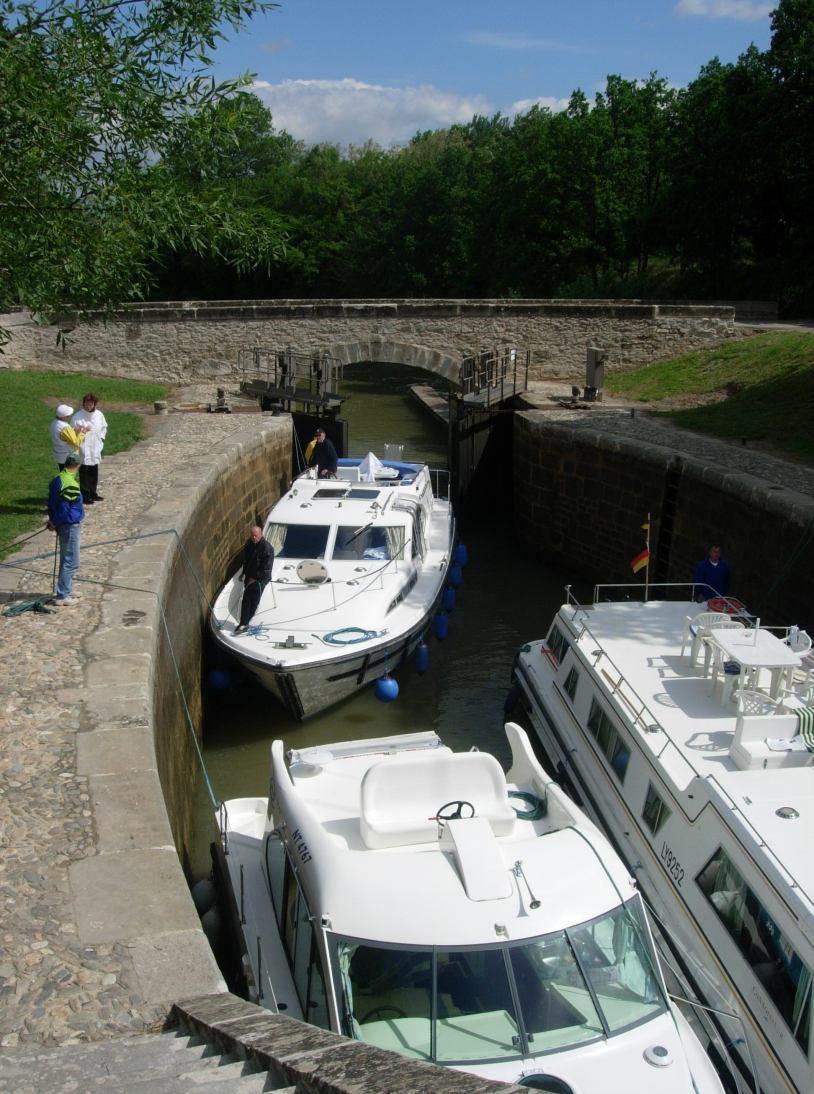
{"points": [[258, 557], [324, 456], [711, 576], [65, 515]]}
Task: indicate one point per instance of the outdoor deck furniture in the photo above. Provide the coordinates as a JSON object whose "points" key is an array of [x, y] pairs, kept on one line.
{"points": [[696, 628], [756, 650]]}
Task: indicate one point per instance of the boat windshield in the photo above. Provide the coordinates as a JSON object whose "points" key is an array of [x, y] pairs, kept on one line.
{"points": [[381, 542], [298, 540], [464, 1005]]}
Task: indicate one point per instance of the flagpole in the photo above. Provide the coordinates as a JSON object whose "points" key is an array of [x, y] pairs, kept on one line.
{"points": [[647, 567]]}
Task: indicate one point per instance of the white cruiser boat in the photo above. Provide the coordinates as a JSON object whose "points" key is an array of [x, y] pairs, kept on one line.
{"points": [[421, 901], [360, 563], [696, 769]]}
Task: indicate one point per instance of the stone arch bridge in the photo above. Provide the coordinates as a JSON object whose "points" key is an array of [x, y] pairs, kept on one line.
{"points": [[196, 340]]}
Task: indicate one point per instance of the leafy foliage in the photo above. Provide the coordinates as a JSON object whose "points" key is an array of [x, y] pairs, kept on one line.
{"points": [[765, 386], [93, 95]]}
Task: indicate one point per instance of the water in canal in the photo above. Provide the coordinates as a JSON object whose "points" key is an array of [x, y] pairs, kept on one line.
{"points": [[507, 598]]}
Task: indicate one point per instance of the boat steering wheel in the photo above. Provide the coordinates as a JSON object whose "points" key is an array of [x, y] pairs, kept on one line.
{"points": [[454, 810]]}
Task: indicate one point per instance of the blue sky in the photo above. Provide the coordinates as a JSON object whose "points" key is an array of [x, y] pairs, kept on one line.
{"points": [[346, 71]]}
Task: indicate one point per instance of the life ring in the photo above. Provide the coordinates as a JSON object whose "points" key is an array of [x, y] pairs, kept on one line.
{"points": [[725, 604]]}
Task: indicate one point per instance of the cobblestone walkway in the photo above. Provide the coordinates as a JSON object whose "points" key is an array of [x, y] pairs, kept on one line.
{"points": [[54, 989], [612, 417]]}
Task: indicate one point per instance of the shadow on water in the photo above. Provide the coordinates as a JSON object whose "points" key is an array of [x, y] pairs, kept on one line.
{"points": [[507, 598]]}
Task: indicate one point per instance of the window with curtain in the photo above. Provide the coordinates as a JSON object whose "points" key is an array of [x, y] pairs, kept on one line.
{"points": [[772, 958]]}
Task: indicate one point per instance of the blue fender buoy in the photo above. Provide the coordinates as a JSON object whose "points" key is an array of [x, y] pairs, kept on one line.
{"points": [[449, 598], [461, 555], [456, 576], [422, 658], [203, 895], [219, 679], [386, 689], [441, 626]]}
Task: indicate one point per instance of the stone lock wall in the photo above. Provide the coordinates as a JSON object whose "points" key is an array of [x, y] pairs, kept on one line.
{"points": [[582, 494], [201, 340], [219, 503]]}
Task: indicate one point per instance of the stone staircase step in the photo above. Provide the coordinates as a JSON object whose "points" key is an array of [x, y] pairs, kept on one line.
{"points": [[166, 1063]]}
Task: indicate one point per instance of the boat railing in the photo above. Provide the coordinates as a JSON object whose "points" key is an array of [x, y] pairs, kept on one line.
{"points": [[642, 592], [633, 708], [440, 478]]}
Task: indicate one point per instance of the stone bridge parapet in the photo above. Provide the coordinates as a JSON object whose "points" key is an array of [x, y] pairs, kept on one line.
{"points": [[183, 341]]}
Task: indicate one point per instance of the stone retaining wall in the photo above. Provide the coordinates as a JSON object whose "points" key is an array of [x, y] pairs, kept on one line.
{"points": [[210, 501], [200, 340], [582, 493]]}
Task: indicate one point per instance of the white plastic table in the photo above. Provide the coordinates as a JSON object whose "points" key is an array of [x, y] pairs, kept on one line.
{"points": [[754, 650]]}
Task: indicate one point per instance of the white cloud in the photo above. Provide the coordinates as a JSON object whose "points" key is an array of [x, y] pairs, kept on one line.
{"points": [[349, 111], [508, 40], [522, 106], [747, 10]]}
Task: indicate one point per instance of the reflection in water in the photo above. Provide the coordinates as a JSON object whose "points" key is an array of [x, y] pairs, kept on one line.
{"points": [[507, 598]]}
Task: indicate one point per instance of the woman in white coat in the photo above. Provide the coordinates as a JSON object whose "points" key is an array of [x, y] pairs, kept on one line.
{"points": [[92, 418]]}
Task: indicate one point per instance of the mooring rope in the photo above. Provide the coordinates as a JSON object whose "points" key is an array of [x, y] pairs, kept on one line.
{"points": [[164, 622]]}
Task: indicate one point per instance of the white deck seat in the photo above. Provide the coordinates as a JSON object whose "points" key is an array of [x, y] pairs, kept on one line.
{"points": [[749, 749], [401, 795]]}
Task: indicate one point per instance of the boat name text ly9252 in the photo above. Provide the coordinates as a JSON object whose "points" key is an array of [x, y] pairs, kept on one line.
{"points": [[674, 867]]}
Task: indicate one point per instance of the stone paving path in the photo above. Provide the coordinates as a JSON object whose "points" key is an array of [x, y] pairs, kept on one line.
{"points": [[54, 989], [614, 416]]}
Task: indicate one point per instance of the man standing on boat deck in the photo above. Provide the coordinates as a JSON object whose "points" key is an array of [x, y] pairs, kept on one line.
{"points": [[258, 557], [324, 457], [711, 576]]}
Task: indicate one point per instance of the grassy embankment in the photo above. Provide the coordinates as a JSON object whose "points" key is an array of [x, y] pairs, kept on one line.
{"points": [[765, 383], [25, 417]]}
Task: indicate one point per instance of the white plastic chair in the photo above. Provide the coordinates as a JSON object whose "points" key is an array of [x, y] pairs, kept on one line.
{"points": [[753, 703], [698, 627], [798, 641], [729, 671], [800, 694]]}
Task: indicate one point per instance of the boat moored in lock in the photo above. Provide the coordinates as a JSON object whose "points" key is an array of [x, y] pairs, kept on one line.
{"points": [[683, 732], [360, 565], [422, 901]]}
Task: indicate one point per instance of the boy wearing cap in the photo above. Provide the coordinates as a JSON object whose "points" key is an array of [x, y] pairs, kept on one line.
{"points": [[65, 440], [65, 515]]}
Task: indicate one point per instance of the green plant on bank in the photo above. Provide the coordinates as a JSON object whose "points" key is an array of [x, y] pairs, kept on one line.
{"points": [[24, 420], [766, 385]]}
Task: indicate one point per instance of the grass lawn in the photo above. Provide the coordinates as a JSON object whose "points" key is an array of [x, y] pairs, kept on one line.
{"points": [[24, 420], [771, 380]]}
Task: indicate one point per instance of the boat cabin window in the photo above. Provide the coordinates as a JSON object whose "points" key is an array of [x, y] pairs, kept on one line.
{"points": [[358, 494], [329, 492], [571, 681], [298, 540], [419, 542], [371, 542], [654, 811], [774, 961], [303, 955], [557, 643], [609, 740], [459, 1006], [275, 867]]}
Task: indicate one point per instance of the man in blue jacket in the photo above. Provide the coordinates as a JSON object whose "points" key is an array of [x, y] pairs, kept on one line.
{"points": [[711, 577], [65, 515]]}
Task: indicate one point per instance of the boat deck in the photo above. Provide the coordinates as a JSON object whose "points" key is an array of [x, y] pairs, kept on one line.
{"points": [[689, 730]]}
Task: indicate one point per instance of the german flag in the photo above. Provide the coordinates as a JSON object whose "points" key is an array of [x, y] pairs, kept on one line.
{"points": [[640, 561]]}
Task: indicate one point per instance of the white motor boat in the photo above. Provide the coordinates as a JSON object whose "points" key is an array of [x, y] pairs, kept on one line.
{"points": [[680, 733], [421, 901], [360, 563]]}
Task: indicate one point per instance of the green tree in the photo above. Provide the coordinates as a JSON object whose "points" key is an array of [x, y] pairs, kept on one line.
{"points": [[93, 93]]}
